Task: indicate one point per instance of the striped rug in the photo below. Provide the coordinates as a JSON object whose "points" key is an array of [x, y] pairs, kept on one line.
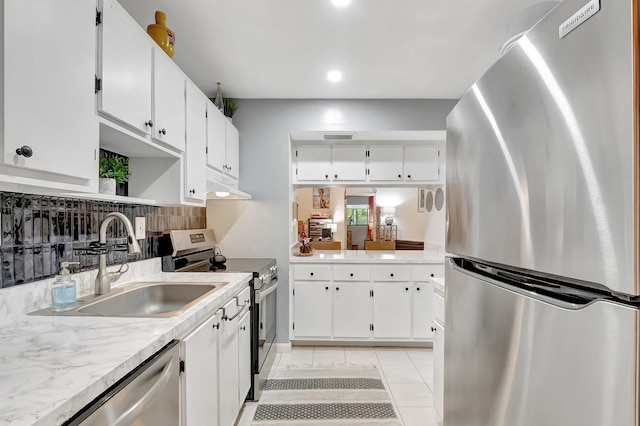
{"points": [[325, 396]]}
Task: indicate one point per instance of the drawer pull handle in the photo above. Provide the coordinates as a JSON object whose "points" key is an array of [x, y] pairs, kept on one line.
{"points": [[351, 274], [391, 275], [216, 326], [433, 329], [244, 327], [337, 288], [406, 289], [311, 273], [326, 288], [432, 275], [418, 288]]}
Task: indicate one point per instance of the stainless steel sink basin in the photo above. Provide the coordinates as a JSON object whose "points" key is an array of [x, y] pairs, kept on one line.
{"points": [[145, 299]]}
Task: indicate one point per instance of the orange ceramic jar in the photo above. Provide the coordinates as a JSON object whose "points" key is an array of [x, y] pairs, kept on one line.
{"points": [[161, 34]]}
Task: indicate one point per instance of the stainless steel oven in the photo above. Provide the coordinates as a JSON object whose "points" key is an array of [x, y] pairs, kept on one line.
{"points": [[193, 251]]}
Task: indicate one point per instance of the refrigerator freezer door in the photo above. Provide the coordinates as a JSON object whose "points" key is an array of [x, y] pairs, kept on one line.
{"points": [[542, 153], [511, 360]]}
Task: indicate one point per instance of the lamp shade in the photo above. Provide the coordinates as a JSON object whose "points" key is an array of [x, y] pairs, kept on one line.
{"points": [[389, 211]]}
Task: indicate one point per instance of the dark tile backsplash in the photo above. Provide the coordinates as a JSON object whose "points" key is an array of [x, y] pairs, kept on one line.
{"points": [[38, 232]]}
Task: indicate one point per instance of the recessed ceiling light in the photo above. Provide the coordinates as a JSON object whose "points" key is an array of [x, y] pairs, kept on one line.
{"points": [[341, 3], [222, 194], [334, 76]]}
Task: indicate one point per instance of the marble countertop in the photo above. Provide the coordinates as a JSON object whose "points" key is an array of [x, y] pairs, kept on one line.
{"points": [[52, 366], [370, 256]]}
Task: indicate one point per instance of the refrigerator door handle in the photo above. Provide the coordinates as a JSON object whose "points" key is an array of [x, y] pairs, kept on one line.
{"points": [[545, 291]]}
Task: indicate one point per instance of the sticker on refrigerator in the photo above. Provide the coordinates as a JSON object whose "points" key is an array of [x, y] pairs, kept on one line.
{"points": [[578, 18]]}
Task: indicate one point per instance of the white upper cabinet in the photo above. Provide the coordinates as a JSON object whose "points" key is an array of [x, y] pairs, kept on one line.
{"points": [[348, 162], [232, 149], [385, 163], [168, 101], [377, 162], [223, 143], [314, 162], [126, 61], [48, 103], [421, 163], [195, 167]]}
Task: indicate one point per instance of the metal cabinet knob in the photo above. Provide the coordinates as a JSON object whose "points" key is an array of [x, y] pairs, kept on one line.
{"points": [[326, 288], [432, 275], [162, 131], [406, 289], [399, 176], [148, 123], [25, 151], [326, 176], [311, 273], [433, 329], [216, 326], [391, 275], [335, 176], [351, 274], [337, 288], [244, 327], [418, 288]]}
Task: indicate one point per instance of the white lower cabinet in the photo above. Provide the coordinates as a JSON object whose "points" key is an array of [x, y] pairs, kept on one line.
{"points": [[312, 309], [392, 310], [351, 310], [244, 357], [422, 310], [200, 381], [438, 367], [217, 365], [363, 302]]}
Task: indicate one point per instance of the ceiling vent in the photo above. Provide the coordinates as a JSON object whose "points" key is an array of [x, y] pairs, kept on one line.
{"points": [[338, 137]]}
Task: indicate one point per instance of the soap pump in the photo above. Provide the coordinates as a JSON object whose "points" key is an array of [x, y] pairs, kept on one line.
{"points": [[63, 289]]}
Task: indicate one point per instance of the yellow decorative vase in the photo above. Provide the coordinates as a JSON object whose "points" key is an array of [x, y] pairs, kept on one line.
{"points": [[161, 34]]}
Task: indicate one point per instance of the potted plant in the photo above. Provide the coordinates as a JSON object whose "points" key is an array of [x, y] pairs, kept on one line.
{"points": [[113, 170], [230, 107]]}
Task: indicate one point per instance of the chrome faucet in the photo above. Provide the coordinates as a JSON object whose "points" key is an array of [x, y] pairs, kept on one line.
{"points": [[104, 278]]}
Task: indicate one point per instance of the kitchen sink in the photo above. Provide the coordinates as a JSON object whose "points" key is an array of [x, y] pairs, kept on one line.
{"points": [[142, 299]]}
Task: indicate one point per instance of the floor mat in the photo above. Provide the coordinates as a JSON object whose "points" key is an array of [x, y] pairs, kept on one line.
{"points": [[325, 396]]}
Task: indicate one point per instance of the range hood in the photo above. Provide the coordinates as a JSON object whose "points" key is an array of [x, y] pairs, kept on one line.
{"points": [[217, 190]]}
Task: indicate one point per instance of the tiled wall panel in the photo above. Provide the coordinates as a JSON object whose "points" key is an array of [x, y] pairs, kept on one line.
{"points": [[38, 232]]}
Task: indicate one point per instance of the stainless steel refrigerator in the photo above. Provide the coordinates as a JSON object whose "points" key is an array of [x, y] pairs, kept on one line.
{"points": [[543, 189]]}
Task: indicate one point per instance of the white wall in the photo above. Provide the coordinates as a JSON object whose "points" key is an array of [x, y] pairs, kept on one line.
{"points": [[262, 227]]}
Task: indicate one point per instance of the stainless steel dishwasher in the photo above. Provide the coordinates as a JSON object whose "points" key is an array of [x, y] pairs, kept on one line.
{"points": [[148, 395]]}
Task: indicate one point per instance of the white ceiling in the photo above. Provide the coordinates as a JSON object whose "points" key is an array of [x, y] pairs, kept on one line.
{"points": [[386, 49]]}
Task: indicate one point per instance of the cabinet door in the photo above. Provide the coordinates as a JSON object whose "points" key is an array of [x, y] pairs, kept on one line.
{"points": [[422, 312], [421, 163], [229, 365], [195, 167], [232, 149], [349, 162], [392, 310], [438, 368], [244, 357], [49, 100], [200, 379], [216, 135], [168, 101], [385, 163], [314, 162], [312, 309], [351, 310], [126, 68]]}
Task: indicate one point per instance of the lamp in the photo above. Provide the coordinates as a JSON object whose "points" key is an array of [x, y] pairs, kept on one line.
{"points": [[389, 212]]}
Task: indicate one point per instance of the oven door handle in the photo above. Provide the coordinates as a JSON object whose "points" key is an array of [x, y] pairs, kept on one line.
{"points": [[261, 295]]}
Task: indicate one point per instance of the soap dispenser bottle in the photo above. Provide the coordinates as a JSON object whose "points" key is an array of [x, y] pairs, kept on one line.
{"points": [[63, 290]]}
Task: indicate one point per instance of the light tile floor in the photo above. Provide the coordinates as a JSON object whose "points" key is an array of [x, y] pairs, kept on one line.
{"points": [[407, 374]]}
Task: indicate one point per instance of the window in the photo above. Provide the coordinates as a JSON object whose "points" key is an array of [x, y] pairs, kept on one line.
{"points": [[358, 215]]}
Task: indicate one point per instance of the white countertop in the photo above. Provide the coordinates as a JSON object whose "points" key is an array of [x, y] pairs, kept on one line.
{"points": [[370, 256], [52, 366]]}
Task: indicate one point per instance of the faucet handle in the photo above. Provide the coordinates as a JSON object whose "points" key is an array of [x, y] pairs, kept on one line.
{"points": [[115, 276]]}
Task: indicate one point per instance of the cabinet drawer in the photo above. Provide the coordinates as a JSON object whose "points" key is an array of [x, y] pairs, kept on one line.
{"points": [[244, 298], [312, 272], [425, 272], [438, 308], [391, 273], [352, 273]]}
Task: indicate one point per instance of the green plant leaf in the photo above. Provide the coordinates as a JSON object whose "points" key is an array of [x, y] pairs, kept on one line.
{"points": [[115, 167]]}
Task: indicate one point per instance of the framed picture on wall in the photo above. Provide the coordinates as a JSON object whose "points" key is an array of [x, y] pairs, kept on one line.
{"points": [[422, 199], [321, 198]]}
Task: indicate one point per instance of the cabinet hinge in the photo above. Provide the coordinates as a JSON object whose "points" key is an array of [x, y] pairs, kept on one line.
{"points": [[206, 114], [372, 327], [294, 325], [367, 155], [372, 294], [367, 172], [438, 153], [181, 366], [206, 149], [294, 291], [98, 17], [296, 171], [296, 153], [98, 84]]}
